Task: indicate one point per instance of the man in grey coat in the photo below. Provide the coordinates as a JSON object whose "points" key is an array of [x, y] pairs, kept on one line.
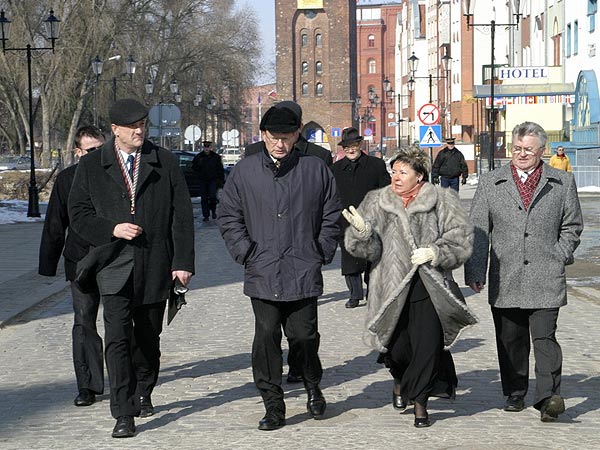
{"points": [[529, 212], [279, 216]]}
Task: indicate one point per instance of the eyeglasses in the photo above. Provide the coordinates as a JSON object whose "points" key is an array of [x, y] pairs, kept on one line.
{"points": [[527, 150], [288, 140], [351, 147]]}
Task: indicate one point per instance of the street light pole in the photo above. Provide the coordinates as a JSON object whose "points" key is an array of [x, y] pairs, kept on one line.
{"points": [[52, 30], [97, 67]]}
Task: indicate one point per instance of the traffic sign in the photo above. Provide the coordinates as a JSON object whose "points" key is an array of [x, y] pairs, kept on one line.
{"points": [[430, 135], [193, 133], [368, 132], [336, 132], [429, 114]]}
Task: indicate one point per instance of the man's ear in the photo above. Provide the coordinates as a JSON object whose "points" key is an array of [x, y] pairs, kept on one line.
{"points": [[78, 152]]}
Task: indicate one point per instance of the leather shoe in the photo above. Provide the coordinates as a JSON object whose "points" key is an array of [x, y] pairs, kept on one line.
{"points": [[146, 407], [551, 408], [514, 403], [352, 303], [316, 403], [85, 398], [124, 428], [271, 421], [398, 402], [422, 422], [294, 377]]}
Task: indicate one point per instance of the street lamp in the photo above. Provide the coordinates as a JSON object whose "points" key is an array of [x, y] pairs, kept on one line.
{"points": [[468, 11], [97, 67], [52, 30]]}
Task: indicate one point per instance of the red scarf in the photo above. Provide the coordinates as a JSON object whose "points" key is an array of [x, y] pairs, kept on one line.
{"points": [[409, 196], [527, 189]]}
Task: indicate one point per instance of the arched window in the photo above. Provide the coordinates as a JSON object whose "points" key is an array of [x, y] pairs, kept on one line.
{"points": [[319, 67], [304, 89], [371, 40], [304, 40], [319, 89], [304, 68], [319, 40], [371, 66]]}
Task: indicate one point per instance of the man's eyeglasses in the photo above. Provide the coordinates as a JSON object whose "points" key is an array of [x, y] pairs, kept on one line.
{"points": [[351, 147], [527, 150], [288, 140]]}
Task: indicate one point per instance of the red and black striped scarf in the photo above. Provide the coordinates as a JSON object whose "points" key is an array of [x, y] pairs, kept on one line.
{"points": [[527, 189]]}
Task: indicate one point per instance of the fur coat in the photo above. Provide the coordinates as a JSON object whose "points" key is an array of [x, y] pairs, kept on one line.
{"points": [[433, 219]]}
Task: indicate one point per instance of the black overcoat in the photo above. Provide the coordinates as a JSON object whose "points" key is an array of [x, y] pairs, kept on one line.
{"points": [[354, 180], [99, 200]]}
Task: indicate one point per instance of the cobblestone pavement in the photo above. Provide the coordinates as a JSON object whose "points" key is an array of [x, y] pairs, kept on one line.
{"points": [[206, 399]]}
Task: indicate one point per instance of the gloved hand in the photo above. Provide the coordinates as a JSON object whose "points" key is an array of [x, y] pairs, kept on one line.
{"points": [[435, 180], [464, 181], [422, 255], [354, 219]]}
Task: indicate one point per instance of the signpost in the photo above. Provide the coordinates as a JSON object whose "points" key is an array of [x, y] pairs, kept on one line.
{"points": [[165, 117], [429, 115], [193, 133]]}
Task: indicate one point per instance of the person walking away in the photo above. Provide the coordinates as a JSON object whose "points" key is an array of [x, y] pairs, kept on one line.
{"points": [[449, 166], [527, 221], [88, 361], [560, 161], [209, 167]]}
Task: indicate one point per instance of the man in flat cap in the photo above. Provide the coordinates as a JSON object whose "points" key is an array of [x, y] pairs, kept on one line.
{"points": [[449, 166], [130, 202], [279, 216], [209, 169]]}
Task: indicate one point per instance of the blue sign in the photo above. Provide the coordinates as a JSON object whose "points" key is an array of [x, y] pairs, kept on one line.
{"points": [[336, 132], [430, 135], [368, 132]]}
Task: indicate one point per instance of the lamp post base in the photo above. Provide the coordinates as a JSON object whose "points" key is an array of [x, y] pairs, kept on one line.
{"points": [[33, 208]]}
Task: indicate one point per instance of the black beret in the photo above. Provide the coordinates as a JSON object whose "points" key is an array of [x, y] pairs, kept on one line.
{"points": [[280, 120], [127, 111], [206, 143]]}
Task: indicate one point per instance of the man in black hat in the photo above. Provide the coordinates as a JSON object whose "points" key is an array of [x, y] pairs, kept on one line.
{"points": [[279, 216], [449, 166], [129, 200], [355, 175], [209, 167]]}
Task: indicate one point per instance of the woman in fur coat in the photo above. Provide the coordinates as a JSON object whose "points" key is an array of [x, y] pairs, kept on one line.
{"points": [[414, 234]]}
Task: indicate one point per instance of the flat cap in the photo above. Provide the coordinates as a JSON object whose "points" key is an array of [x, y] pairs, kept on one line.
{"points": [[295, 107], [280, 120], [450, 140], [206, 143], [127, 111]]}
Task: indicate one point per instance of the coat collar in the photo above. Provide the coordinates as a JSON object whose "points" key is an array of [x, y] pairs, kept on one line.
{"points": [[423, 202], [345, 162]]}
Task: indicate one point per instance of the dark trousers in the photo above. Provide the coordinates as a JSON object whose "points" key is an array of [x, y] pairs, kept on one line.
{"points": [[88, 360], [354, 282], [300, 321], [515, 330], [132, 339], [450, 182], [416, 355], [208, 195]]}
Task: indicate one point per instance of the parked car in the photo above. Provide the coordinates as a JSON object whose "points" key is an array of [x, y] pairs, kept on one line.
{"points": [[231, 156], [191, 177], [15, 163]]}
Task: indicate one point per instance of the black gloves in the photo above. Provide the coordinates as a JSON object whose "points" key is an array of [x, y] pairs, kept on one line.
{"points": [[464, 181], [435, 180]]}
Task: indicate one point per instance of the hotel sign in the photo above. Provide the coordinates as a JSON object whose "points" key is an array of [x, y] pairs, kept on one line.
{"points": [[522, 73], [310, 4]]}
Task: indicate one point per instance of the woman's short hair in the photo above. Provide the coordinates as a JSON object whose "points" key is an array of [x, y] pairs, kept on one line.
{"points": [[415, 158]]}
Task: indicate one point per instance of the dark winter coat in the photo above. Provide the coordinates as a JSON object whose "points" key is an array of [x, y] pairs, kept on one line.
{"points": [[433, 219], [450, 163], [281, 226], [529, 248], [301, 144], [209, 167], [99, 201], [56, 225], [354, 180]]}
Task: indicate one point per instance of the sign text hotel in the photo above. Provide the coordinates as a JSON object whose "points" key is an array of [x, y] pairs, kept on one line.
{"points": [[522, 73]]}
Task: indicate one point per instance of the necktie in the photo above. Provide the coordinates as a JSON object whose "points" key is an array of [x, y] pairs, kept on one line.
{"points": [[130, 167]]}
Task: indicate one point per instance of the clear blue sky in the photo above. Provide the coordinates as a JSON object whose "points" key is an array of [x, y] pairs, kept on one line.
{"points": [[265, 13]]}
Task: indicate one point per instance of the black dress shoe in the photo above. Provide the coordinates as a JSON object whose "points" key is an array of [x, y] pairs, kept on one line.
{"points": [[352, 303], [146, 407], [124, 428], [551, 408], [271, 421], [294, 377], [205, 219], [514, 403], [214, 215], [316, 403], [85, 398], [422, 422], [398, 402]]}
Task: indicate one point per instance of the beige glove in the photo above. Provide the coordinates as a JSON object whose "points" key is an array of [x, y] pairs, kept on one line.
{"points": [[357, 222], [422, 255]]}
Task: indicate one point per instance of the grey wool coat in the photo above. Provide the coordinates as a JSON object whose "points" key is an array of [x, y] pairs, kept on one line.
{"points": [[433, 219], [526, 250]]}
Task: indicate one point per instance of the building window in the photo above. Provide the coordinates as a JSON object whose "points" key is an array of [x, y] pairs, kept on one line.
{"points": [[319, 67], [592, 10], [319, 40], [304, 89], [371, 40], [304, 68], [304, 40], [319, 89], [568, 43], [371, 66], [575, 37]]}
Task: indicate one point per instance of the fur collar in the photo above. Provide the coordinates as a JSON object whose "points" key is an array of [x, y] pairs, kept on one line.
{"points": [[424, 202]]}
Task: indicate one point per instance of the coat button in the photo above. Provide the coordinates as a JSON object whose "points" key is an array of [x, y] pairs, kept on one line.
{"points": [[279, 215], [525, 262], [526, 234], [276, 296]]}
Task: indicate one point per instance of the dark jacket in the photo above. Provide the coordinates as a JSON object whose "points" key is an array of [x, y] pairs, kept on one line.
{"points": [[301, 144], [209, 167], [282, 226], [99, 201], [450, 163], [354, 180], [56, 225]]}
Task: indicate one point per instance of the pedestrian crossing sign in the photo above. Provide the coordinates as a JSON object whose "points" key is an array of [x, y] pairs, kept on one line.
{"points": [[430, 135]]}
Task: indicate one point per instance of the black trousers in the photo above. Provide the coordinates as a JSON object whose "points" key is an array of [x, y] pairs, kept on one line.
{"points": [[132, 339], [354, 282], [300, 321], [208, 194], [88, 360], [515, 330]]}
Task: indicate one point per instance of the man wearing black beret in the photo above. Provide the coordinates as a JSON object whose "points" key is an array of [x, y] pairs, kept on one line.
{"points": [[129, 200], [279, 216]]}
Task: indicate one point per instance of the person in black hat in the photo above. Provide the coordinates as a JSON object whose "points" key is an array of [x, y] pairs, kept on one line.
{"points": [[130, 201], [355, 175], [449, 166], [278, 215], [209, 167]]}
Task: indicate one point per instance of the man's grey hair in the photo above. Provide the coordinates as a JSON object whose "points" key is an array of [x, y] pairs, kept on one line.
{"points": [[530, 129]]}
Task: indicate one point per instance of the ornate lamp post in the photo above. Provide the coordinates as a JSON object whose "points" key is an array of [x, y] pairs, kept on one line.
{"points": [[97, 67], [52, 30]]}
